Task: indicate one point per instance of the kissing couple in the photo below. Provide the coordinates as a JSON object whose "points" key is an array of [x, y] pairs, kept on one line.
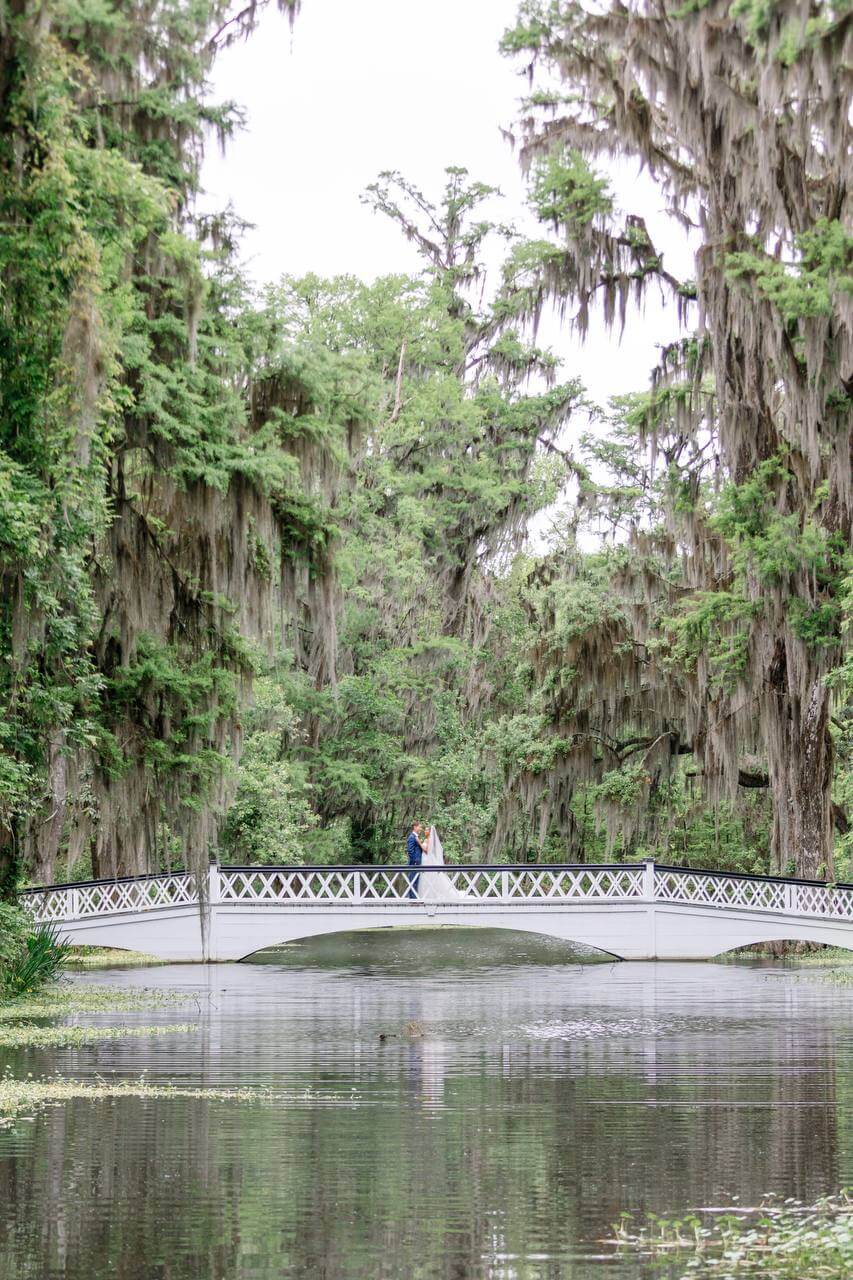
{"points": [[423, 849]]}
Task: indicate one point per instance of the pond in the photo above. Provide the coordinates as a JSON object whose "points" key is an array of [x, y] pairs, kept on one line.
{"points": [[440, 1104]]}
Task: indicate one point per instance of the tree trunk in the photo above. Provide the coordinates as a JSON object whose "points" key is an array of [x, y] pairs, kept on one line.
{"points": [[9, 863], [800, 780]]}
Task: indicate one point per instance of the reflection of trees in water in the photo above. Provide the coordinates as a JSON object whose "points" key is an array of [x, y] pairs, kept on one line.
{"points": [[440, 1166], [524, 1121], [116, 1189], [844, 1109]]}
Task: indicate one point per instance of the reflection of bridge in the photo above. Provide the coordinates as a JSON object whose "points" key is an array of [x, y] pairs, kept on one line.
{"points": [[637, 911]]}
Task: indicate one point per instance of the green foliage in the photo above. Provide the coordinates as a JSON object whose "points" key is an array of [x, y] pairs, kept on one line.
{"points": [[807, 287], [136, 393], [775, 548], [781, 1242], [769, 30], [714, 624], [177, 696], [623, 787], [182, 461], [565, 190], [41, 960], [757, 16], [270, 816], [448, 474], [30, 956], [734, 501], [14, 926]]}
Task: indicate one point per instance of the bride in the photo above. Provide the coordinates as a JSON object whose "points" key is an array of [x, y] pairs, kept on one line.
{"points": [[435, 886]]}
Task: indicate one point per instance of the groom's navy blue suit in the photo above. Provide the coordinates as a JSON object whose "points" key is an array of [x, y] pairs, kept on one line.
{"points": [[415, 854]]}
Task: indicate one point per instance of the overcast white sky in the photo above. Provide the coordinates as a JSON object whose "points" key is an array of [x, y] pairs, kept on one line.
{"points": [[413, 85]]}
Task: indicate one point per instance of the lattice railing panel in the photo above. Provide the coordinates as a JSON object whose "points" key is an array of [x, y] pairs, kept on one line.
{"points": [[105, 897], [47, 905], [819, 900], [385, 886], [719, 891], [788, 897], [586, 884], [289, 885]]}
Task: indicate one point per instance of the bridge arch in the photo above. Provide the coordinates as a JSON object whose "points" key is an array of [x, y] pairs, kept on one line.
{"points": [[786, 936], [414, 928]]}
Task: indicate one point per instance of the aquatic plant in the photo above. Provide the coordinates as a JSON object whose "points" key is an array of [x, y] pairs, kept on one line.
{"points": [[833, 977], [787, 1241], [23, 1098], [39, 961], [75, 998], [26, 1035], [30, 955], [109, 958]]}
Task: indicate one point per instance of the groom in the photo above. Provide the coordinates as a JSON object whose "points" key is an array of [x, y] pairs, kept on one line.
{"points": [[414, 853]]}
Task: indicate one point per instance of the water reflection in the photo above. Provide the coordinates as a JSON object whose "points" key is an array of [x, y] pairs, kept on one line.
{"points": [[516, 1105]]}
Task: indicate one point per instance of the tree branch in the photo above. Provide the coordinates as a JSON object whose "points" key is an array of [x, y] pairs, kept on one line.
{"points": [[398, 390]]}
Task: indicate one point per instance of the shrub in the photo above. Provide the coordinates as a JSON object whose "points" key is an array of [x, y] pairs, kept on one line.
{"points": [[30, 956]]}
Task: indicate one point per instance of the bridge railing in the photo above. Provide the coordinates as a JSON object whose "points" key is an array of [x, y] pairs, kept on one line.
{"points": [[755, 893], [376, 886], [104, 897], [310, 886]]}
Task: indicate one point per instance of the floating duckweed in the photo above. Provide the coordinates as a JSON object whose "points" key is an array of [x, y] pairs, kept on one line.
{"points": [[22, 1099], [25, 1035], [110, 958], [70, 998]]}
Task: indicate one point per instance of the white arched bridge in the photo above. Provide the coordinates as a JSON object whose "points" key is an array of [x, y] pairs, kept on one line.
{"points": [[642, 911]]}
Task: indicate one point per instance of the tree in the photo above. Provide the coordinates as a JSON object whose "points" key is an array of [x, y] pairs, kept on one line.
{"points": [[738, 111], [448, 474], [449, 459], [138, 478]]}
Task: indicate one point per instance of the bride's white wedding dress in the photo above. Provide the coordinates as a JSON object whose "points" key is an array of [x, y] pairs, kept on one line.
{"points": [[435, 886]]}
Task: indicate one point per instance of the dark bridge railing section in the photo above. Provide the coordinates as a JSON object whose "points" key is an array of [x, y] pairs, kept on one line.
{"points": [[471, 887]]}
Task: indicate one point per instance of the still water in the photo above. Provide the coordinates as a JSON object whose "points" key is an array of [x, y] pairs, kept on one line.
{"points": [[518, 1104]]}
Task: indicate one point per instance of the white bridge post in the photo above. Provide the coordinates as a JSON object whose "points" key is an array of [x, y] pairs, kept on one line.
{"points": [[210, 943], [649, 896]]}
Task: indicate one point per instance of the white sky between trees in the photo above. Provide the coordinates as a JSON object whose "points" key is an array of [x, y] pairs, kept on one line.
{"points": [[413, 85]]}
